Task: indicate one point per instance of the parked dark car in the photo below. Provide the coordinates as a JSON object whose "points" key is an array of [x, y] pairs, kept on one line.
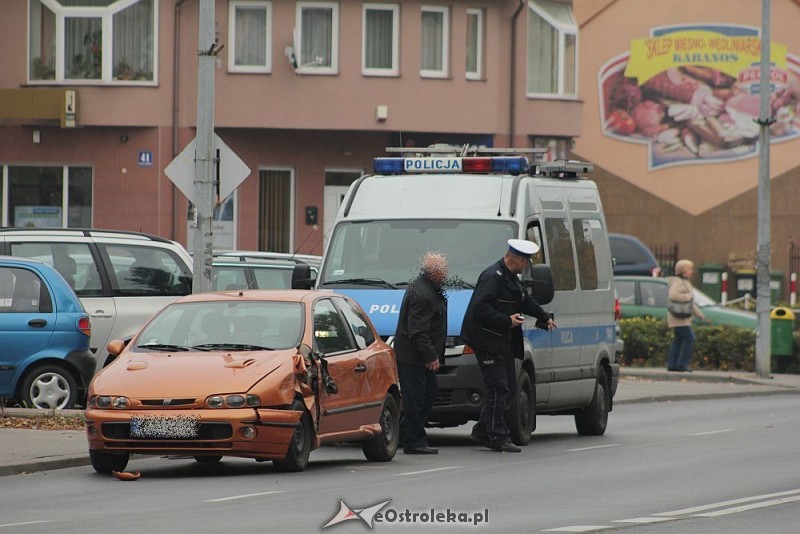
{"points": [[632, 257], [44, 331]]}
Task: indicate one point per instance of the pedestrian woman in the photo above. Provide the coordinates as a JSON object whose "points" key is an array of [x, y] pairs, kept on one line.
{"points": [[681, 291]]}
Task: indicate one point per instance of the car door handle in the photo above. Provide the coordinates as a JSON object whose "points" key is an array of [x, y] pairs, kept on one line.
{"points": [[37, 323], [361, 368], [100, 313]]}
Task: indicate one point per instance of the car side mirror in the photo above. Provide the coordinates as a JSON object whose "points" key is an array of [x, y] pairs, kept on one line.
{"points": [[540, 286], [301, 276]]}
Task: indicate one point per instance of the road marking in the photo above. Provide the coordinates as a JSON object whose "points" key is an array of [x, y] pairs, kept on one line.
{"points": [[722, 504], [713, 432], [427, 471], [595, 447], [579, 528], [26, 523], [644, 520], [762, 504], [247, 496]]}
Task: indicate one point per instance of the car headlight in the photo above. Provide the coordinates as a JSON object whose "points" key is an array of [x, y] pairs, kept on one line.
{"points": [[236, 400], [105, 402]]}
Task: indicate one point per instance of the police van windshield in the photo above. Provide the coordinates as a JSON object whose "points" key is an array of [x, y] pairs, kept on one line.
{"points": [[385, 254]]}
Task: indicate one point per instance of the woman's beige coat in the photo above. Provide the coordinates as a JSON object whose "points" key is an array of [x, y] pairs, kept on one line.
{"points": [[680, 290]]}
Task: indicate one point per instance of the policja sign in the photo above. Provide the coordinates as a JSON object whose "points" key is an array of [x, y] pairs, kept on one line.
{"points": [[231, 170]]}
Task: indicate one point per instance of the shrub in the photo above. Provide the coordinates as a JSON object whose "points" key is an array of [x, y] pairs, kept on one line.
{"points": [[729, 348]]}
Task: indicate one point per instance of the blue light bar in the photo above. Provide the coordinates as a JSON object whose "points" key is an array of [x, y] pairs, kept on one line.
{"points": [[513, 165], [388, 165], [510, 165]]}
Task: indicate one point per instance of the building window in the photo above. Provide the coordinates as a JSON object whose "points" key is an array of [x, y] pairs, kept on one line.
{"points": [[47, 197], [317, 42], [99, 41], [435, 35], [552, 49], [250, 36], [381, 39], [474, 44], [557, 147], [275, 210]]}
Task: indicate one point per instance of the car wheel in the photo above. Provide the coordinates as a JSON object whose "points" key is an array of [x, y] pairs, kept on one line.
{"points": [[106, 462], [521, 417], [208, 459], [592, 420], [383, 447], [48, 387], [296, 458]]}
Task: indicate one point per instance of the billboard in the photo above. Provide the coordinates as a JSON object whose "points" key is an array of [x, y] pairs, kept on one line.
{"points": [[691, 94]]}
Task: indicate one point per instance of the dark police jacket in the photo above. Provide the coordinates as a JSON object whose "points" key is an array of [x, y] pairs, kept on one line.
{"points": [[487, 322], [422, 324]]}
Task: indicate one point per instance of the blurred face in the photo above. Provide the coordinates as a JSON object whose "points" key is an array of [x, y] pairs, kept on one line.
{"points": [[435, 265]]}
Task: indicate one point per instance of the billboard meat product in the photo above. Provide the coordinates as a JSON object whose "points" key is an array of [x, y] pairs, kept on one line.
{"points": [[690, 93]]}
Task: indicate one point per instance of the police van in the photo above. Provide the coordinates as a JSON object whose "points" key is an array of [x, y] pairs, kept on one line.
{"points": [[467, 202]]}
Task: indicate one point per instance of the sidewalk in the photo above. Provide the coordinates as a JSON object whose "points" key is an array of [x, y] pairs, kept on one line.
{"points": [[26, 451]]}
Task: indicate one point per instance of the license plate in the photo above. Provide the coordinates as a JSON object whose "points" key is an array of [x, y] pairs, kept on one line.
{"points": [[164, 427]]}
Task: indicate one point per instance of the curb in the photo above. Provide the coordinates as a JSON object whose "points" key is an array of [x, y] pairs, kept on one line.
{"points": [[45, 465], [709, 396]]}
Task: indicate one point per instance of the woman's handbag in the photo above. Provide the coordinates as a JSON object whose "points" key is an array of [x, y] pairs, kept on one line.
{"points": [[681, 310]]}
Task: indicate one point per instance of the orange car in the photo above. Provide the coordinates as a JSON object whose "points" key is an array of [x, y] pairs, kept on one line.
{"points": [[259, 374]]}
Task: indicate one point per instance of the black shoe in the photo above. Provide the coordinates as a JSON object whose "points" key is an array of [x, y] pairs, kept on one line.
{"points": [[479, 436], [687, 370], [505, 446], [674, 369], [421, 450]]}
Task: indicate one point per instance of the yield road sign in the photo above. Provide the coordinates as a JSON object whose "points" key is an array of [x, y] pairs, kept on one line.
{"points": [[232, 170]]}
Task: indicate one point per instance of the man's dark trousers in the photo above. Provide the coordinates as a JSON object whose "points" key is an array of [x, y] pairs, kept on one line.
{"points": [[418, 387], [500, 380]]}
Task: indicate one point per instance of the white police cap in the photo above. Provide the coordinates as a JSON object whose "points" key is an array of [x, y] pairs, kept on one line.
{"points": [[523, 248]]}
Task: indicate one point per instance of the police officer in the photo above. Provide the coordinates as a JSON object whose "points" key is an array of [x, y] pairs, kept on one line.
{"points": [[492, 327], [419, 345]]}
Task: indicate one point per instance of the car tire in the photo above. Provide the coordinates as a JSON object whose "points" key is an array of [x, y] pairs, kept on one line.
{"points": [[208, 459], [521, 416], [383, 447], [296, 458], [106, 462], [592, 420], [45, 385]]}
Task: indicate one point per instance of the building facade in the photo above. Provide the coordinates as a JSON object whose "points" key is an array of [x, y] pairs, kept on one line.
{"points": [[670, 92], [104, 96]]}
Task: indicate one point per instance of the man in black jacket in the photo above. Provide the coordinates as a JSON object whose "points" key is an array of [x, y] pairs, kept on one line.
{"points": [[492, 327], [418, 346]]}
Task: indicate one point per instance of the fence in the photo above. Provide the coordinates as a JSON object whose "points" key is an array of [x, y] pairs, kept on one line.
{"points": [[667, 256]]}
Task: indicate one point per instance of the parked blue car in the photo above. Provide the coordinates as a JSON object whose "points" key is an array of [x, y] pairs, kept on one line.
{"points": [[45, 360]]}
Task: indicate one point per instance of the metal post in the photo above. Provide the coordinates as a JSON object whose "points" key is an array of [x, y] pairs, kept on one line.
{"points": [[205, 156], [763, 340]]}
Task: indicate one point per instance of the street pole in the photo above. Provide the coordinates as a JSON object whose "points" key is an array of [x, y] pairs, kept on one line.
{"points": [[205, 163], [763, 340]]}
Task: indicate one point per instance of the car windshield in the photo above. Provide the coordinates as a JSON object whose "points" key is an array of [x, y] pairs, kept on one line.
{"points": [[382, 254], [224, 325]]}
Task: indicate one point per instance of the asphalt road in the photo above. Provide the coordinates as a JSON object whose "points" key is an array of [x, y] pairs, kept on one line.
{"points": [[724, 465]]}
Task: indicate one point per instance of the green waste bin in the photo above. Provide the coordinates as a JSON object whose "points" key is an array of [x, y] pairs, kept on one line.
{"points": [[781, 329], [745, 283], [711, 280], [775, 286]]}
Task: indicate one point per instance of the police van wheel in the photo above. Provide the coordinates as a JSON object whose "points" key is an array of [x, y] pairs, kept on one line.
{"points": [[521, 417], [592, 420]]}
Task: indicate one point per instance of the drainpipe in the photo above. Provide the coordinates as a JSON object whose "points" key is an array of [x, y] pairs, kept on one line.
{"points": [[512, 93], [175, 57]]}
